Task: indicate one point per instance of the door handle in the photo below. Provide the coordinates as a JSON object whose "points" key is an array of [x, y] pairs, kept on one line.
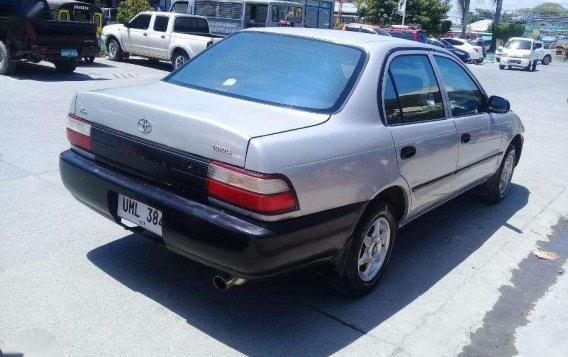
{"points": [[466, 138], [407, 152], [145, 34], [163, 36]]}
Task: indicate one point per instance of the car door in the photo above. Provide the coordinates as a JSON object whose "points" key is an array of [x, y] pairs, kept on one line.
{"points": [[424, 138], [538, 50], [478, 131], [136, 35], [157, 39]]}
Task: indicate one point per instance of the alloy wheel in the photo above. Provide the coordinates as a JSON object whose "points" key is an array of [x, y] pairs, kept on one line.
{"points": [[374, 248], [507, 173]]}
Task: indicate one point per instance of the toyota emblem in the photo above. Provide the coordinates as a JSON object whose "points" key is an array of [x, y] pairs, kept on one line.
{"points": [[145, 126]]}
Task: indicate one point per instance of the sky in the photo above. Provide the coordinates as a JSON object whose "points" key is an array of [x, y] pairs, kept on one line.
{"points": [[507, 5]]}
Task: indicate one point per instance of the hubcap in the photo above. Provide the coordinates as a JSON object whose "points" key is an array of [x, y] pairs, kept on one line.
{"points": [[507, 173], [374, 249], [112, 49], [180, 60]]}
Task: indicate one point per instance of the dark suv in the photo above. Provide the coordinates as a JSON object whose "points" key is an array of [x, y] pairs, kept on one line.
{"points": [[27, 32]]}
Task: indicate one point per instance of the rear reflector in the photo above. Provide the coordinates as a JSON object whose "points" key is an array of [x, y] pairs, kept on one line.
{"points": [[79, 132], [269, 194]]}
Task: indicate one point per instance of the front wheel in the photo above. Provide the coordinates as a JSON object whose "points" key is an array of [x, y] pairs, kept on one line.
{"points": [[7, 66], [501, 67], [370, 250], [533, 67], [89, 60], [65, 66], [479, 61], [498, 185], [114, 50]]}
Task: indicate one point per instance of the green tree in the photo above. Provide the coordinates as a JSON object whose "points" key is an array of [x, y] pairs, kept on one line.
{"points": [[429, 14], [550, 8], [505, 31], [130, 8]]}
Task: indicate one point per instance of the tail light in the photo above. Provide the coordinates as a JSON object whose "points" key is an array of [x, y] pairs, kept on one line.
{"points": [[79, 132], [209, 43], [30, 33], [261, 193]]}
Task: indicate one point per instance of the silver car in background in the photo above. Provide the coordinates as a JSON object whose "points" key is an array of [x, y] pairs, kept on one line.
{"points": [[282, 148]]}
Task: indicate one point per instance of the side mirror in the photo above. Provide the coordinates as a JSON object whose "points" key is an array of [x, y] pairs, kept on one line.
{"points": [[127, 25], [498, 105]]}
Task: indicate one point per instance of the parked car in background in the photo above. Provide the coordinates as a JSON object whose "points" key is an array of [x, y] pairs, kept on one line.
{"points": [[524, 53], [479, 42], [71, 10], [159, 36], [475, 52], [463, 55], [408, 33], [29, 33], [364, 28], [356, 137]]}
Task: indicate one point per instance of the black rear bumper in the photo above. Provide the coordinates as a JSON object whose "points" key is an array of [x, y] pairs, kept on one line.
{"points": [[241, 246], [53, 53]]}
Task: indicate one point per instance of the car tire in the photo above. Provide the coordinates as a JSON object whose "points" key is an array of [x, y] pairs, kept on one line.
{"points": [[369, 251], [479, 61], [501, 67], [533, 67], [65, 66], [179, 58], [546, 60], [7, 66], [89, 60], [114, 51], [498, 185]]}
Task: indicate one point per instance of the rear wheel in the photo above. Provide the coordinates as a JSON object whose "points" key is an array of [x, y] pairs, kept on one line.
{"points": [[546, 60], [65, 66], [501, 67], [7, 66], [89, 60], [533, 67], [179, 58], [114, 50], [370, 250]]}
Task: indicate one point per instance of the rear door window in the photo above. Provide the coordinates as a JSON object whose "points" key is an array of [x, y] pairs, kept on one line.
{"points": [[190, 25], [418, 95], [180, 7], [161, 23]]}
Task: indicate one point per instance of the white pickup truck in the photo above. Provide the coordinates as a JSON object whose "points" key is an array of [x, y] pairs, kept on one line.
{"points": [[159, 36], [523, 52]]}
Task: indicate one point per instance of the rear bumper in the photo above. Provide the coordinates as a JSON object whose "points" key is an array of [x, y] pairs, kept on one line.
{"points": [[240, 246], [50, 53]]}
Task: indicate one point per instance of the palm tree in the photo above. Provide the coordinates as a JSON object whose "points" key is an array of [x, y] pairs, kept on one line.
{"points": [[496, 20], [464, 9]]}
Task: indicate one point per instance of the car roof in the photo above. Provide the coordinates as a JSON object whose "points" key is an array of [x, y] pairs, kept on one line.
{"points": [[358, 39]]}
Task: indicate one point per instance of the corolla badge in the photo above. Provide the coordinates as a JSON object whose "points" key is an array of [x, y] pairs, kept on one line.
{"points": [[145, 126]]}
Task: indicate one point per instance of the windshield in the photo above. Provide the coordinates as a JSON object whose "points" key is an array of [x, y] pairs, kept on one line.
{"points": [[518, 44], [404, 35], [277, 69]]}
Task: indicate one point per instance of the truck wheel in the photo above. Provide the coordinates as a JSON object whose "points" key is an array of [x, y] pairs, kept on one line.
{"points": [[501, 67], [533, 68], [89, 60], [370, 250], [179, 58], [497, 187], [114, 50], [65, 66], [546, 60], [7, 66]]}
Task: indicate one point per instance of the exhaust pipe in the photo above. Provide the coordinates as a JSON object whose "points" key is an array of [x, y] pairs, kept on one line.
{"points": [[223, 281]]}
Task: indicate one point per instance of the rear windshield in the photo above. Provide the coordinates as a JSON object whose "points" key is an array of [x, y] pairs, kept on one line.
{"points": [[404, 35], [277, 69], [191, 25], [518, 44]]}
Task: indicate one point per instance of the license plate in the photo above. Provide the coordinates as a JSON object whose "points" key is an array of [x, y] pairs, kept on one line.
{"points": [[140, 214], [515, 61], [69, 53]]}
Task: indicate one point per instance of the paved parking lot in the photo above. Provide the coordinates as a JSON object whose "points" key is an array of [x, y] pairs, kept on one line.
{"points": [[462, 278]]}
